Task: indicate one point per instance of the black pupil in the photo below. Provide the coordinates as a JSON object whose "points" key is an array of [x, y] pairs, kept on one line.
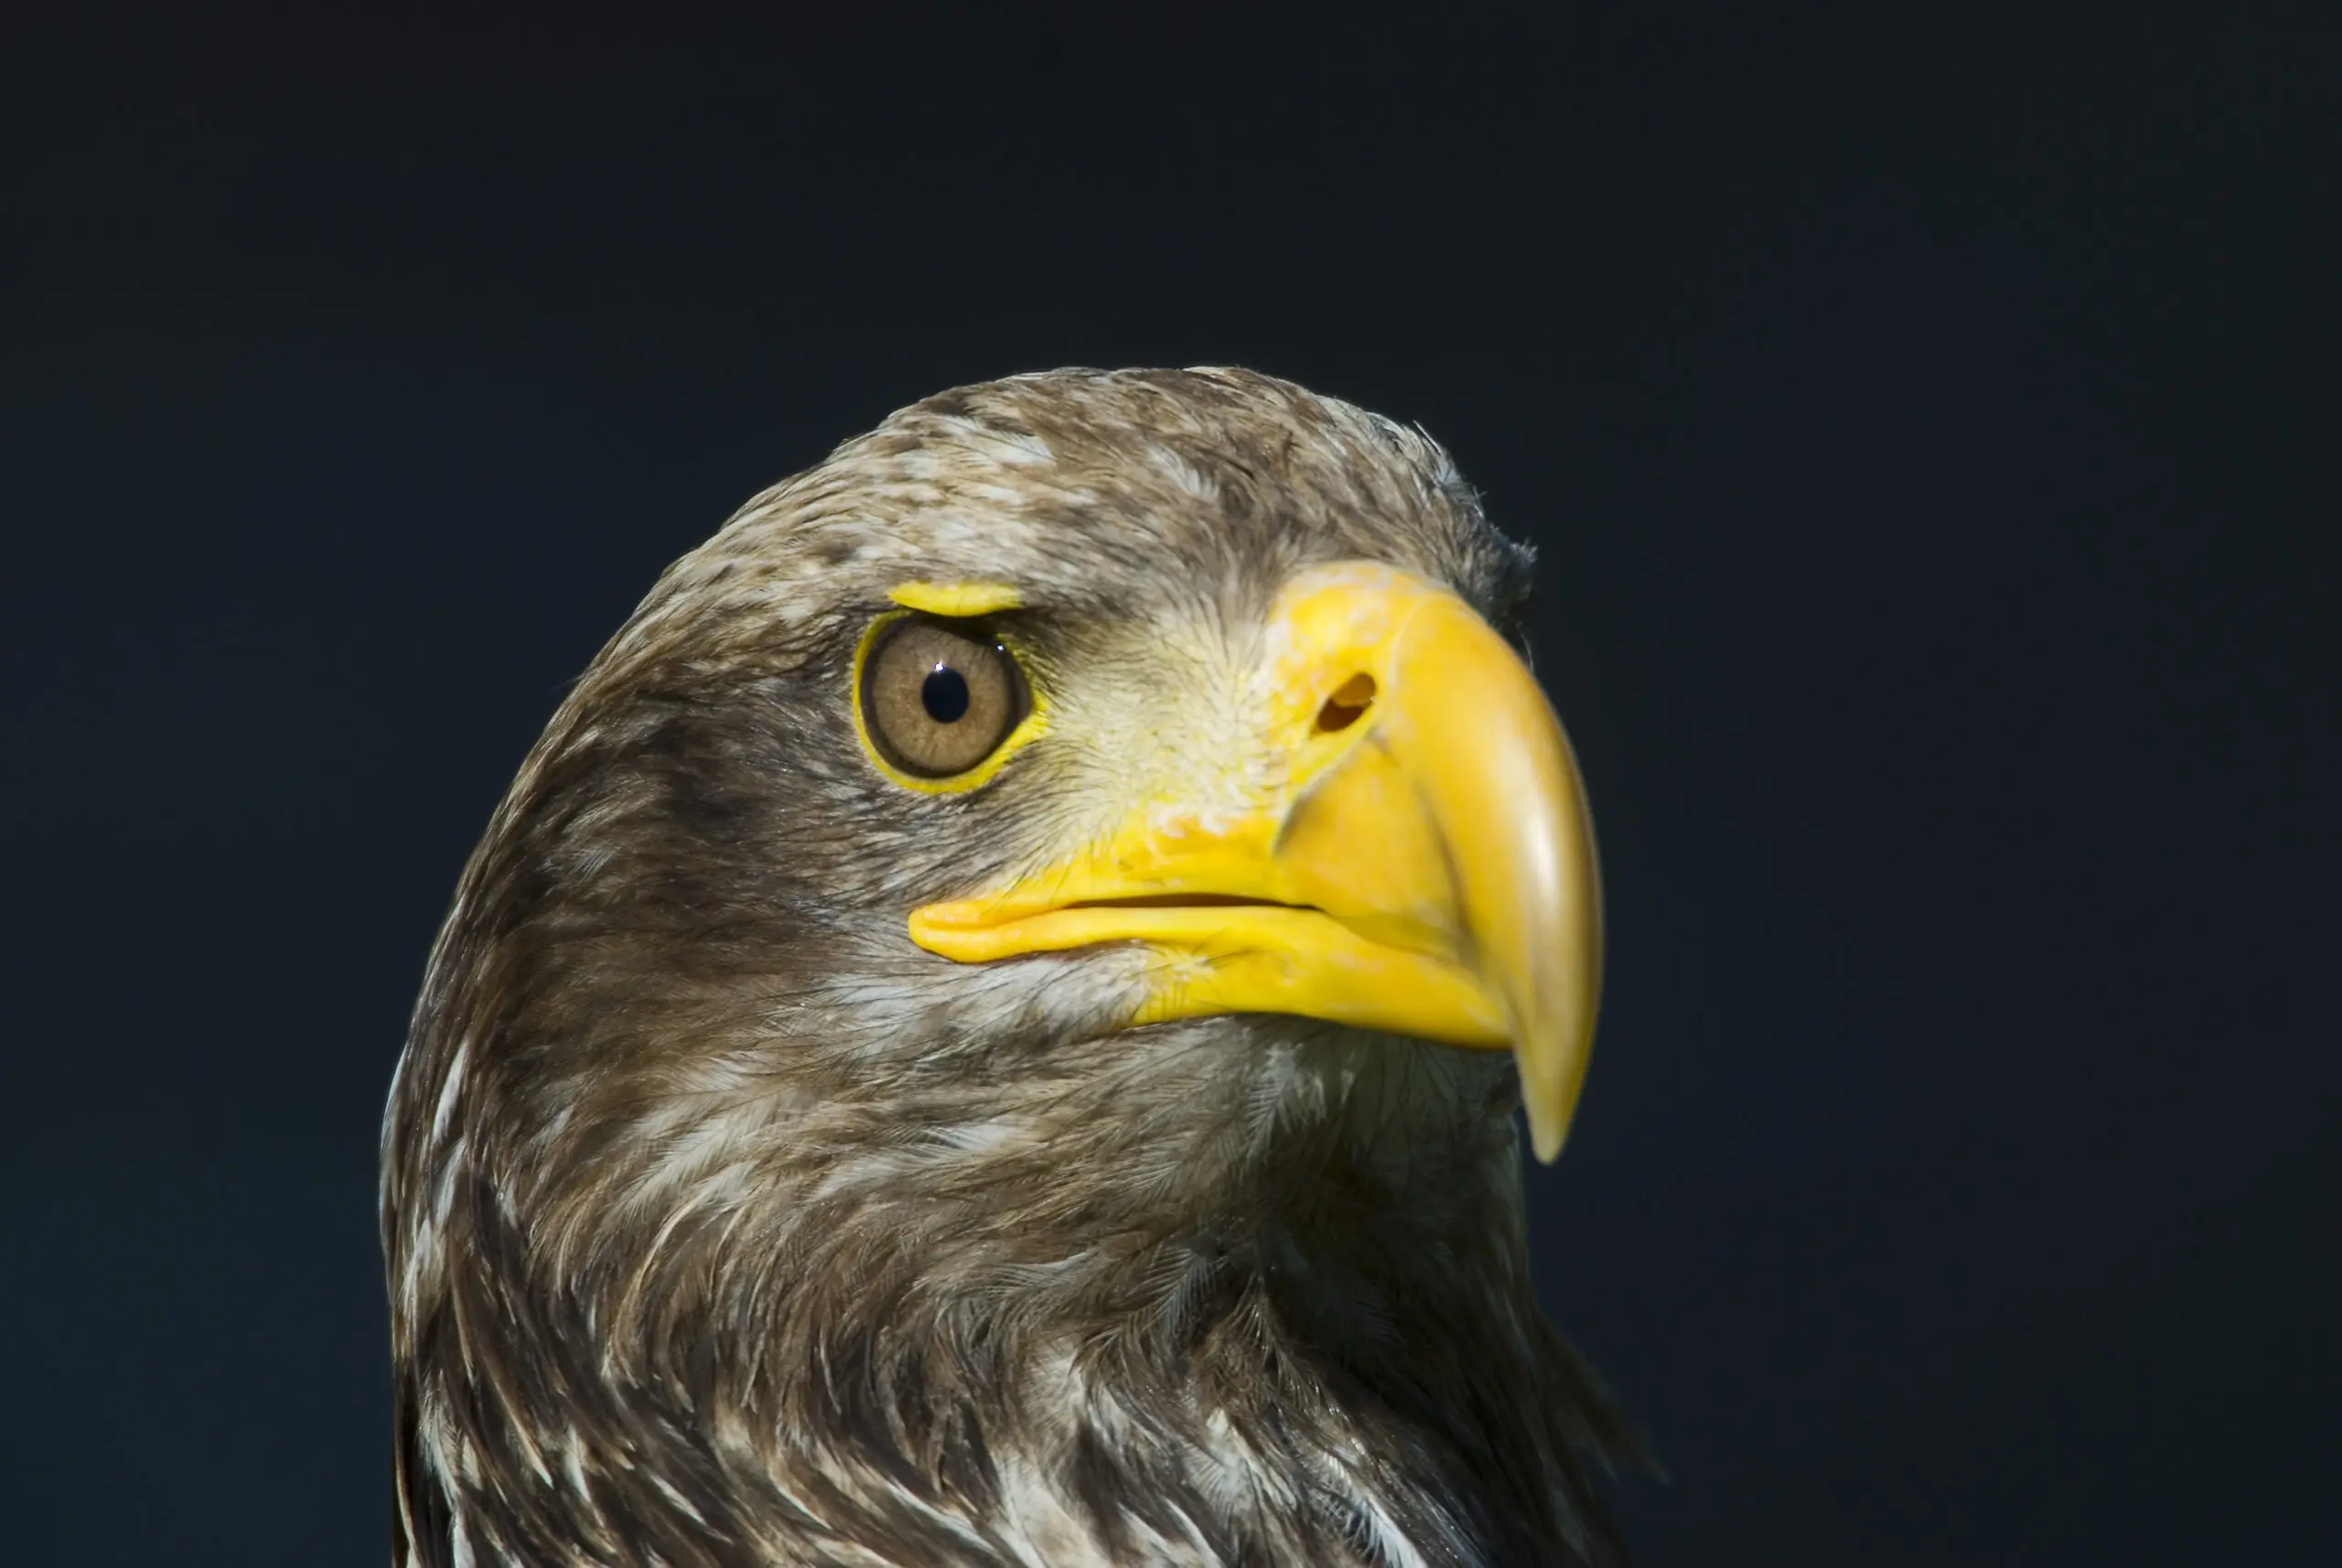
{"points": [[944, 694]]}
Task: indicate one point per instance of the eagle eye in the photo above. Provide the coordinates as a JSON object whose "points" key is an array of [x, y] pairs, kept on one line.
{"points": [[938, 697]]}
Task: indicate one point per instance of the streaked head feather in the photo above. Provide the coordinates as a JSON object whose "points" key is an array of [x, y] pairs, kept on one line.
{"points": [[725, 1226]]}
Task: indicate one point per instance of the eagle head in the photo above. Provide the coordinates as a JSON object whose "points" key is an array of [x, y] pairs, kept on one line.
{"points": [[987, 1029]]}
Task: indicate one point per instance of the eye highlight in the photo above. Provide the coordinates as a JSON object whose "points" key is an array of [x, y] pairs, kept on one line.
{"points": [[937, 697]]}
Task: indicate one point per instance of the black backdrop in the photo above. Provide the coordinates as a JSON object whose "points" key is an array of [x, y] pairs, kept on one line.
{"points": [[1913, 417]]}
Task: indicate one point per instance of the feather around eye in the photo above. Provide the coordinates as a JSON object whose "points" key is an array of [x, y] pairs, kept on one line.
{"points": [[938, 698]]}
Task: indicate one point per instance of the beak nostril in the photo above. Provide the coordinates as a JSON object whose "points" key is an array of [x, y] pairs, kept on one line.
{"points": [[1350, 699]]}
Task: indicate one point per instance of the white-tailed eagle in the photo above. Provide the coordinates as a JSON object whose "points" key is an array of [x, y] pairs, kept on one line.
{"points": [[985, 1031]]}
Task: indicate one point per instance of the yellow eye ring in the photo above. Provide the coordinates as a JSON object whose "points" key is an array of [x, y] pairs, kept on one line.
{"points": [[1034, 721]]}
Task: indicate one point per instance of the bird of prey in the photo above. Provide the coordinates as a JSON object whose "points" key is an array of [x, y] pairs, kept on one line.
{"points": [[987, 1029]]}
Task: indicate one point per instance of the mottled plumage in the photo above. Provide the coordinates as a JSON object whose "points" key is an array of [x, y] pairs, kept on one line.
{"points": [[726, 1226]]}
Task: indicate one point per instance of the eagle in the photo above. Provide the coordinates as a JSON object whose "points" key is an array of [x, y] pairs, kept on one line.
{"points": [[988, 1029]]}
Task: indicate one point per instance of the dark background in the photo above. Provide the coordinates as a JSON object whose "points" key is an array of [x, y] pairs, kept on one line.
{"points": [[1915, 416]]}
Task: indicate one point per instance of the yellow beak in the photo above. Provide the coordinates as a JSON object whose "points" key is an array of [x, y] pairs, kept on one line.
{"points": [[1398, 841]]}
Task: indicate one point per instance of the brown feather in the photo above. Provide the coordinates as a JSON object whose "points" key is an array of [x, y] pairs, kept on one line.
{"points": [[723, 1225]]}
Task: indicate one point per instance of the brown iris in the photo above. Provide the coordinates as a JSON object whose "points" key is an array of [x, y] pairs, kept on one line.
{"points": [[938, 698]]}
